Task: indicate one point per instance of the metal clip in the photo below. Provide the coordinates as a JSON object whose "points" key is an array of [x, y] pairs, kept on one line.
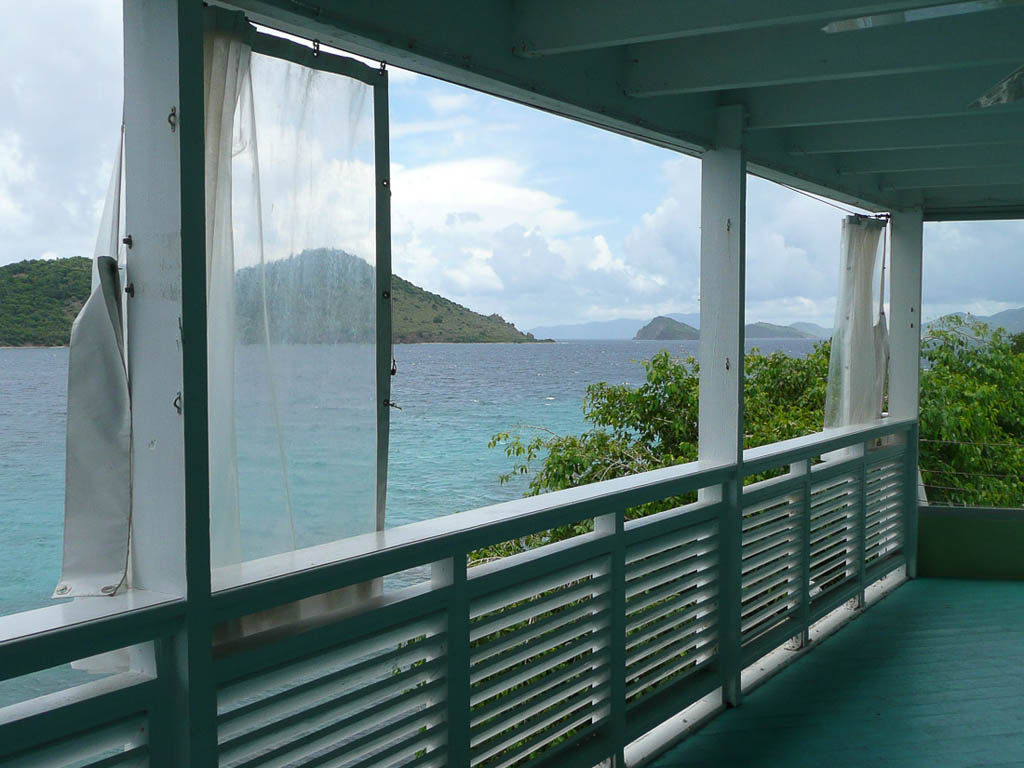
{"points": [[392, 404], [172, 119], [316, 47], [383, 68], [130, 290], [177, 403], [127, 240]]}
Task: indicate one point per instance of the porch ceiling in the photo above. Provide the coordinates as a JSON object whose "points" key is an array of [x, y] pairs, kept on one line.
{"points": [[879, 116]]}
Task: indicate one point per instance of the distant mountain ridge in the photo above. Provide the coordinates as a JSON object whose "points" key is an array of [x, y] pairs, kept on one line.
{"points": [[324, 296], [317, 296], [664, 328], [1011, 320], [628, 328]]}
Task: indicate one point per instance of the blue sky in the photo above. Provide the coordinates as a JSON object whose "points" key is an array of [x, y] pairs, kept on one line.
{"points": [[500, 207]]}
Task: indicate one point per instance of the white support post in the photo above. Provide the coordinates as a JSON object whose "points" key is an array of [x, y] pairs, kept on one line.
{"points": [[720, 436], [905, 353], [153, 222], [164, 213]]}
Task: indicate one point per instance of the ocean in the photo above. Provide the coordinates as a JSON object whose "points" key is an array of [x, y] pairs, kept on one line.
{"points": [[452, 399]]}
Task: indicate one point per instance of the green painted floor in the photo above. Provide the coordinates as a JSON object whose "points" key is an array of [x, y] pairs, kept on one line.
{"points": [[933, 675]]}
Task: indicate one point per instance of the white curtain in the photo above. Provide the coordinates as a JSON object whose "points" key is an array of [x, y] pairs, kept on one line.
{"points": [[226, 62], [291, 256], [860, 351], [97, 491], [290, 208]]}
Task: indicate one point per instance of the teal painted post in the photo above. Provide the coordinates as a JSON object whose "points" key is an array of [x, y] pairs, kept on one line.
{"points": [[193, 646], [452, 573], [862, 526], [382, 162], [804, 468], [910, 511], [730, 591], [613, 527]]}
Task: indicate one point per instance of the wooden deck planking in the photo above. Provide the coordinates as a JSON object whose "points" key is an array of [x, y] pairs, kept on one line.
{"points": [[933, 675]]}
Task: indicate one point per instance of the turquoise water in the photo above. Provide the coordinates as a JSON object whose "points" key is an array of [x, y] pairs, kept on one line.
{"points": [[453, 397]]}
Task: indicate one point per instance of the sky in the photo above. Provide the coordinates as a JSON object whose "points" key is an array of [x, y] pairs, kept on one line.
{"points": [[497, 206]]}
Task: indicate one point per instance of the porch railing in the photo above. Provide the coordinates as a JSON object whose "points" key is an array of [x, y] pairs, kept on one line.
{"points": [[566, 652]]}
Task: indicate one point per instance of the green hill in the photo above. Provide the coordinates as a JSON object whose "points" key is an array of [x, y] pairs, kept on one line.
{"points": [[772, 331], [667, 329], [318, 296], [39, 300]]}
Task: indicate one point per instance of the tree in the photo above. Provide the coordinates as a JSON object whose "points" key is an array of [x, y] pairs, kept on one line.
{"points": [[655, 425], [971, 427], [972, 414]]}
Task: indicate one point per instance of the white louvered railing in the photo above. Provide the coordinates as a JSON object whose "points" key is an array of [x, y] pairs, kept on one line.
{"points": [[563, 653]]}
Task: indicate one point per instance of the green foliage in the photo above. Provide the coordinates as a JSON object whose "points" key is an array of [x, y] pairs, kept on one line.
{"points": [[971, 428], [39, 300], [636, 429], [972, 414]]}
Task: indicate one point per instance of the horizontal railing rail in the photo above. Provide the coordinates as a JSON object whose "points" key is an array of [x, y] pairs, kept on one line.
{"points": [[564, 652]]}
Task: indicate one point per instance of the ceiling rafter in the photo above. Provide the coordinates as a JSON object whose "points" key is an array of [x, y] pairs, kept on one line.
{"points": [[932, 159], [799, 54], [975, 130], [953, 177], [868, 99], [545, 27]]}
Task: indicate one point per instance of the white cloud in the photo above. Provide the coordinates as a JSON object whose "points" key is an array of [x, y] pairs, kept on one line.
{"points": [[451, 101]]}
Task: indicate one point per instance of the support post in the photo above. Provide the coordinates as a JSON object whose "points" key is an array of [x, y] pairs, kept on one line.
{"points": [[720, 431], [451, 572], [905, 355], [612, 526], [165, 217]]}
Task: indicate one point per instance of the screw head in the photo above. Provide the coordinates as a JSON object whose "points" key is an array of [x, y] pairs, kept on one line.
{"points": [[108, 590], [63, 589]]}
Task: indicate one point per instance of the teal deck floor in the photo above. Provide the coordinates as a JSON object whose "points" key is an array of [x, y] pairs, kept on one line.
{"points": [[933, 675]]}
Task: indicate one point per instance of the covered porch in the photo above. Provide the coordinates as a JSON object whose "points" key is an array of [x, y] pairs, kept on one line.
{"points": [[931, 675], [591, 650]]}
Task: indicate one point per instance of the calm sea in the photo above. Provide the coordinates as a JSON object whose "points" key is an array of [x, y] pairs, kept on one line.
{"points": [[453, 398]]}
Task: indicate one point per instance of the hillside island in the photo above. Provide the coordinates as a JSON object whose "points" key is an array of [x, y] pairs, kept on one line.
{"points": [[666, 329], [39, 300]]}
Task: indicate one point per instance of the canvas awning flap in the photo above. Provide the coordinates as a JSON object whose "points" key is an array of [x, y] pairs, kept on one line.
{"points": [[97, 502]]}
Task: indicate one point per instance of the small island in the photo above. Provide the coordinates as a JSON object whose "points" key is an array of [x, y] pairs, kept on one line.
{"points": [[326, 295], [666, 329]]}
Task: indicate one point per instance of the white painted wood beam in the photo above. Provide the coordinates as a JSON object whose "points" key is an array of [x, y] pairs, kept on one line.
{"points": [[803, 54], [975, 130], [720, 408], [905, 349], [561, 26], [869, 99], [905, 313], [897, 161]]}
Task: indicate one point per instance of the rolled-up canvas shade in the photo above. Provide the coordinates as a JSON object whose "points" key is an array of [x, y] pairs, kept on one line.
{"points": [[97, 495], [859, 357]]}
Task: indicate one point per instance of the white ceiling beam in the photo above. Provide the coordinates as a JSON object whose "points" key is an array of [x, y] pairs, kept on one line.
{"points": [[975, 130], [899, 161], [954, 177], [802, 54], [922, 94], [544, 27]]}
